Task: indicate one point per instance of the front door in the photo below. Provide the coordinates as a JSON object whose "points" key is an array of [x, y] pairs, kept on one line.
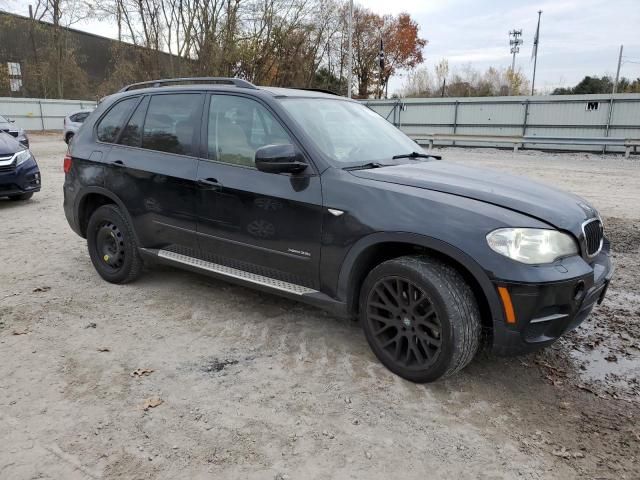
{"points": [[261, 222]]}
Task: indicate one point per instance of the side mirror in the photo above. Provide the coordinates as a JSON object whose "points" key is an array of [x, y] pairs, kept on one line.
{"points": [[279, 159], [11, 120]]}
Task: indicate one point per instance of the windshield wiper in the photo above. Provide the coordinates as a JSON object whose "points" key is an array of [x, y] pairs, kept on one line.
{"points": [[417, 155], [366, 166]]}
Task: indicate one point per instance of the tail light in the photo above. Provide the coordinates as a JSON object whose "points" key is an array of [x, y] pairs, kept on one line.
{"points": [[66, 164]]}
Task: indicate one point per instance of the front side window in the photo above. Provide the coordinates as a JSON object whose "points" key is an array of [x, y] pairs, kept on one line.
{"points": [[347, 132], [172, 123], [111, 124], [239, 126]]}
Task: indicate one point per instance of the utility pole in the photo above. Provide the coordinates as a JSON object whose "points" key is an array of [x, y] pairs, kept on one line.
{"points": [[515, 43], [350, 54], [615, 85], [536, 42], [381, 63]]}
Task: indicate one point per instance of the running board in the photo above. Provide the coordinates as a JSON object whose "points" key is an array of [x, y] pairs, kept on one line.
{"points": [[236, 273]]}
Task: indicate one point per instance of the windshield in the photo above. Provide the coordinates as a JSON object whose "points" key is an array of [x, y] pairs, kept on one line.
{"points": [[348, 133]]}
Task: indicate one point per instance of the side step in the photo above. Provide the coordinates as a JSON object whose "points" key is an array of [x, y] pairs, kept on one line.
{"points": [[235, 273]]}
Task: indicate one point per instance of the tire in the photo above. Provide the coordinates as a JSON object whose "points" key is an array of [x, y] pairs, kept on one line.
{"points": [[420, 318], [21, 197], [68, 138], [112, 246]]}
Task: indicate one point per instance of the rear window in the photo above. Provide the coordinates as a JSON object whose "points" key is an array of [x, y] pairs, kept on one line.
{"points": [[111, 124], [172, 123], [79, 117]]}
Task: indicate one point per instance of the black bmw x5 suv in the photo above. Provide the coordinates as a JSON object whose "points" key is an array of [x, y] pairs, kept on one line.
{"points": [[316, 197]]}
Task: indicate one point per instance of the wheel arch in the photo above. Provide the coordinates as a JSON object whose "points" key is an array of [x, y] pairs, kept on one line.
{"points": [[379, 247], [92, 198]]}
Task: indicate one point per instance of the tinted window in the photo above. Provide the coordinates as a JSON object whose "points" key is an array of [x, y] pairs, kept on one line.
{"points": [[238, 126], [79, 117], [110, 125], [132, 133], [173, 123]]}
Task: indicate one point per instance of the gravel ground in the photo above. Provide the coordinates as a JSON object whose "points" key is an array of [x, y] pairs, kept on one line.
{"points": [[182, 376]]}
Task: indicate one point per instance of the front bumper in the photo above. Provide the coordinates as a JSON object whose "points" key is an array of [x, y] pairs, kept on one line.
{"points": [[22, 179], [546, 311]]}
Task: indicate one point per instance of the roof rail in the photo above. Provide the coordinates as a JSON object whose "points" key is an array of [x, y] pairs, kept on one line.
{"points": [[321, 90], [238, 82]]}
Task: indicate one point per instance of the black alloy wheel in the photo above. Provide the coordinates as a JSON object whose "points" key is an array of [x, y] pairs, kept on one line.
{"points": [[404, 322], [420, 317]]}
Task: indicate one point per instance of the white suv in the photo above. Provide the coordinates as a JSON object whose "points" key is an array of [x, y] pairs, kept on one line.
{"points": [[73, 122]]}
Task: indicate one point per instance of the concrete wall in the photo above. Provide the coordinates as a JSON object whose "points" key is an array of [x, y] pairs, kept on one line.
{"points": [[549, 116], [34, 114]]}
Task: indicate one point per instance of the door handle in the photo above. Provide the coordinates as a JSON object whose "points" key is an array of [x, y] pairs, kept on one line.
{"points": [[209, 182], [118, 163]]}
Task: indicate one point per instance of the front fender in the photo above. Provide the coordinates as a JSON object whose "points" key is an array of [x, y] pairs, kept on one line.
{"points": [[345, 292]]}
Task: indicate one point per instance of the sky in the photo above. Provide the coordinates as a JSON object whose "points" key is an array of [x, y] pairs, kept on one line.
{"points": [[577, 37]]}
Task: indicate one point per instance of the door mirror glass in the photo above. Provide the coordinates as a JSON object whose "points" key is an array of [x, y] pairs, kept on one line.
{"points": [[279, 159]]}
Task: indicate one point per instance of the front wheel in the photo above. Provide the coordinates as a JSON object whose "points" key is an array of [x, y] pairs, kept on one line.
{"points": [[112, 245], [420, 318]]}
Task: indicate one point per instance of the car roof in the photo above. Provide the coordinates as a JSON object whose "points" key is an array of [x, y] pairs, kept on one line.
{"points": [[270, 91]]}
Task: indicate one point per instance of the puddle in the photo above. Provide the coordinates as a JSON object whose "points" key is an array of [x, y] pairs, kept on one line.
{"points": [[593, 365]]}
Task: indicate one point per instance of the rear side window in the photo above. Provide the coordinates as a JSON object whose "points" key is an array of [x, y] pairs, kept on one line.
{"points": [[173, 123], [132, 133], [111, 124]]}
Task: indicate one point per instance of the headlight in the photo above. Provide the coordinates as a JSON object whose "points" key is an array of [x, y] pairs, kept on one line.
{"points": [[532, 245], [22, 156]]}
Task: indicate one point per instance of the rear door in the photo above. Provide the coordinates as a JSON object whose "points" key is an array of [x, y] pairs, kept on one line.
{"points": [[152, 168], [261, 222]]}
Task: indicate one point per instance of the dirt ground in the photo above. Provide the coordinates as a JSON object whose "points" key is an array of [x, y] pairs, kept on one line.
{"points": [[255, 386]]}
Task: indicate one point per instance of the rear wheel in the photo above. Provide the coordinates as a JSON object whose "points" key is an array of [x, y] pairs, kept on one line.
{"points": [[420, 318], [21, 197], [112, 245]]}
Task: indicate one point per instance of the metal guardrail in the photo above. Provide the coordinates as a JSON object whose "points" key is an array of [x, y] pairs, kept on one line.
{"points": [[519, 141]]}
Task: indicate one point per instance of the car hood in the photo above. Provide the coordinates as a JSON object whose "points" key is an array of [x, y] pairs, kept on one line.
{"points": [[561, 209], [8, 144]]}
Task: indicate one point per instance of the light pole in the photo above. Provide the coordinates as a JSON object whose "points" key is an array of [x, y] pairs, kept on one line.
{"points": [[536, 42], [615, 85]]}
